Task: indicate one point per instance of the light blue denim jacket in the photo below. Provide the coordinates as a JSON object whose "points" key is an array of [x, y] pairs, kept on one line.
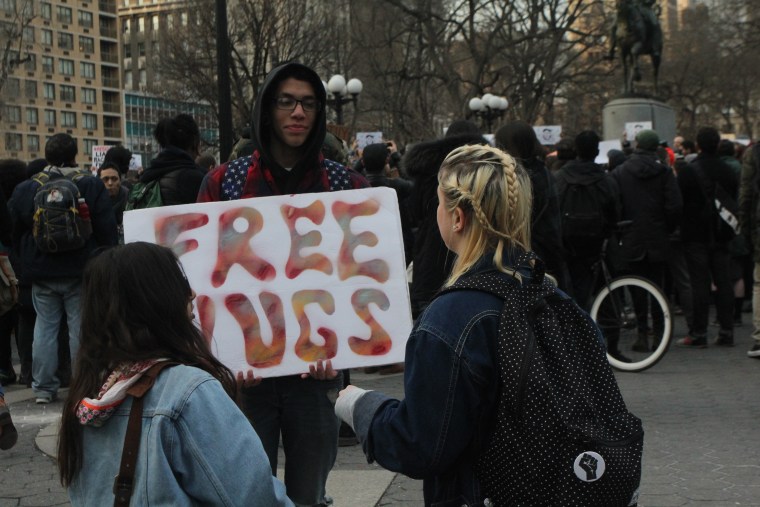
{"points": [[196, 448]]}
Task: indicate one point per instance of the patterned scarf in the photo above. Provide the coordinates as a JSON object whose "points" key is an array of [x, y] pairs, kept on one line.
{"points": [[95, 412]]}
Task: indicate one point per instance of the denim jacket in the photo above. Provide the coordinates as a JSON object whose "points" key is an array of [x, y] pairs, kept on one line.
{"points": [[196, 448], [451, 384]]}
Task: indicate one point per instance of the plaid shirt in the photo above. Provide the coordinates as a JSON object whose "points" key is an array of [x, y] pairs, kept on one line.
{"points": [[246, 177]]}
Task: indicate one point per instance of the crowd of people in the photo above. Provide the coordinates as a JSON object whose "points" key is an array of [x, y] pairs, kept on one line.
{"points": [[87, 317]]}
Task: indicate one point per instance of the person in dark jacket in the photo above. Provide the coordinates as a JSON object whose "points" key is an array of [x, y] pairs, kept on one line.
{"points": [[179, 176], [376, 162], [582, 255], [649, 197], [432, 260], [519, 140], [118, 193], [56, 277], [289, 125], [707, 254]]}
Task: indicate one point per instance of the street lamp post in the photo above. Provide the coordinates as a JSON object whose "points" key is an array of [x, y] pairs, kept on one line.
{"points": [[489, 107], [340, 93]]}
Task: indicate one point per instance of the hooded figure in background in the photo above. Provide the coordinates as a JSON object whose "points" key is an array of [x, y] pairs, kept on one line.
{"points": [[519, 140], [288, 133], [287, 156], [432, 259]]}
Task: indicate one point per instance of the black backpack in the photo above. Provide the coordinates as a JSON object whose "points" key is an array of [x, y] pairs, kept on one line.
{"points": [[583, 221], [562, 434], [57, 224]]}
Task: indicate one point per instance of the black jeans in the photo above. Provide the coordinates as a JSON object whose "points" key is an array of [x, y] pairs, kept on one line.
{"points": [[655, 273], [708, 264]]}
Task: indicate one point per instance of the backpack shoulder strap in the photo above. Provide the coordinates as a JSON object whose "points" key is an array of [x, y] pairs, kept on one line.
{"points": [[78, 175], [41, 178], [123, 483]]}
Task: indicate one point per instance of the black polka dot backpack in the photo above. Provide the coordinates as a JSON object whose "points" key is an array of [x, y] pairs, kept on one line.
{"points": [[562, 434]]}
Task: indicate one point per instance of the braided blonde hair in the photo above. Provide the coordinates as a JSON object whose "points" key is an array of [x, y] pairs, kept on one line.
{"points": [[494, 192]]}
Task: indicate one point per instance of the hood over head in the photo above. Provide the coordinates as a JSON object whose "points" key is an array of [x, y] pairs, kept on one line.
{"points": [[644, 165], [424, 159], [262, 128]]}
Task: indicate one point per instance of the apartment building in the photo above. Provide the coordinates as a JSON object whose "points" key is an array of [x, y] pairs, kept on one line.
{"points": [[145, 24], [67, 78]]}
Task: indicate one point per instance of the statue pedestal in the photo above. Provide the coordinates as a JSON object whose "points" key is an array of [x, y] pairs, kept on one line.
{"points": [[618, 112]]}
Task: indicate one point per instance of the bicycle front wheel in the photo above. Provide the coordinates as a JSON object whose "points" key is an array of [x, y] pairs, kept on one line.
{"points": [[634, 316]]}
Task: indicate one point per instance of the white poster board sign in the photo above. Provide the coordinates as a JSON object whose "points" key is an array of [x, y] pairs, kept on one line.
{"points": [[135, 162], [283, 281], [604, 147], [98, 155], [634, 127], [548, 134], [363, 139]]}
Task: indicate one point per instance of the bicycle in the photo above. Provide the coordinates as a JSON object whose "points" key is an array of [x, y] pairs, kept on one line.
{"points": [[625, 319]]}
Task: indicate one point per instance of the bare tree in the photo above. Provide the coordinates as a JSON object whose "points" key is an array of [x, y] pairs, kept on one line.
{"points": [[262, 34], [16, 41], [712, 67], [443, 52]]}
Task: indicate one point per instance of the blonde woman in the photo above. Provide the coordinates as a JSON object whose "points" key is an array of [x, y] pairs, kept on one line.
{"points": [[451, 378]]}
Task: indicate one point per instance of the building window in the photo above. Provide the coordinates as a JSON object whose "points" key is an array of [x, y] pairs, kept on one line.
{"points": [[65, 40], [49, 118], [89, 144], [68, 119], [46, 37], [85, 19], [86, 44], [183, 19], [8, 5], [154, 23], [63, 14], [170, 21], [87, 70], [88, 95], [12, 114], [31, 115], [46, 11], [143, 77], [12, 142], [28, 34], [47, 64], [126, 25], [68, 93], [141, 48], [31, 63], [65, 67], [32, 143], [89, 121], [127, 50], [48, 91], [140, 25], [128, 80], [30, 89]]}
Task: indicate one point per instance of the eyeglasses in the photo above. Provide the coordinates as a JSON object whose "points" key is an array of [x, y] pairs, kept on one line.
{"points": [[308, 104]]}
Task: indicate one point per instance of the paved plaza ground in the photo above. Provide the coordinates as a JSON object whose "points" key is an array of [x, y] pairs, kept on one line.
{"points": [[701, 413]]}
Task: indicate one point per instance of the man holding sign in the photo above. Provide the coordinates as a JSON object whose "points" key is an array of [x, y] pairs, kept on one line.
{"points": [[289, 128]]}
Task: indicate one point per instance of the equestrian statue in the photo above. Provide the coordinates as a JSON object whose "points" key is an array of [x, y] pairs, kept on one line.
{"points": [[637, 31]]}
